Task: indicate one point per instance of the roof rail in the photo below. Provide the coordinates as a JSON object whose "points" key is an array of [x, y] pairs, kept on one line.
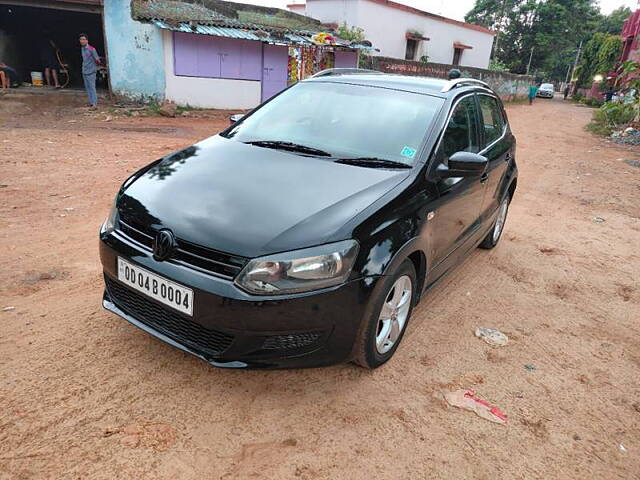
{"points": [[458, 82], [343, 71]]}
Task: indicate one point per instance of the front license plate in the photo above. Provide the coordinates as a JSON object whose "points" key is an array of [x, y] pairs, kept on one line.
{"points": [[154, 286]]}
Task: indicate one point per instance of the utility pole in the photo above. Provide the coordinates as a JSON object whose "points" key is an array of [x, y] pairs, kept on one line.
{"points": [[575, 64], [530, 58], [566, 80], [497, 42]]}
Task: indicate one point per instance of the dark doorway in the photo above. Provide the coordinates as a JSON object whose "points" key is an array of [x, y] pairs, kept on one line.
{"points": [[25, 30], [457, 55], [412, 46]]}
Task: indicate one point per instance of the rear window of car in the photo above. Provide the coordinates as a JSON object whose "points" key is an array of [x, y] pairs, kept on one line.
{"points": [[492, 119]]}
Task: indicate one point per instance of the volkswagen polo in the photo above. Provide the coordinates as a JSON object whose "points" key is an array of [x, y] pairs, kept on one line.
{"points": [[306, 232]]}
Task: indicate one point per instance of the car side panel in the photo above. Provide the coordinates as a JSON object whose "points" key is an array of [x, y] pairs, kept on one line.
{"points": [[501, 156]]}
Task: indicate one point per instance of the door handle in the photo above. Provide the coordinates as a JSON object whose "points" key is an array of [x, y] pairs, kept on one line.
{"points": [[484, 177]]}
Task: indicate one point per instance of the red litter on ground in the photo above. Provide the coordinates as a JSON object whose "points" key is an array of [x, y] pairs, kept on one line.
{"points": [[467, 400]]}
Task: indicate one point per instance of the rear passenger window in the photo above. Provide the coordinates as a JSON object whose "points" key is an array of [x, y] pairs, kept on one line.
{"points": [[461, 134], [491, 118]]}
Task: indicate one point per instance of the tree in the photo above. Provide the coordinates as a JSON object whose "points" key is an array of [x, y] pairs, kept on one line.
{"points": [[599, 57], [551, 29], [612, 23], [353, 34]]}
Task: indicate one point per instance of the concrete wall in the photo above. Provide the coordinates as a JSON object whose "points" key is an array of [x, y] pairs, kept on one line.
{"points": [[507, 85], [386, 27], [136, 61], [332, 11], [206, 92]]}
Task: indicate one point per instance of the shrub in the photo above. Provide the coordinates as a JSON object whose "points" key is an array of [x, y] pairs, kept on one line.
{"points": [[611, 116], [593, 102]]}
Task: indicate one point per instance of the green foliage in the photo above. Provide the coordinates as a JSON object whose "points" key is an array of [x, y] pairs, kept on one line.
{"points": [[424, 58], [364, 59], [153, 108], [632, 69], [593, 102], [599, 57], [612, 23], [353, 34], [552, 28], [498, 66], [610, 117], [577, 97]]}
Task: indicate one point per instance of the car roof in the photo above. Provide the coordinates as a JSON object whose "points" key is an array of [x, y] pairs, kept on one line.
{"points": [[424, 85]]}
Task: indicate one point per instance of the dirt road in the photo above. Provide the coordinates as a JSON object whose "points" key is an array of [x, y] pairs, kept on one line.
{"points": [[83, 394]]}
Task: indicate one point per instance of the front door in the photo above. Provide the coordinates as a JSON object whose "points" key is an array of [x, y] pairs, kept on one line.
{"points": [[456, 213], [274, 69]]}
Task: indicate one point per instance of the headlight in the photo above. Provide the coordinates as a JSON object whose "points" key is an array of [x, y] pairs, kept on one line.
{"points": [[300, 270], [110, 223]]}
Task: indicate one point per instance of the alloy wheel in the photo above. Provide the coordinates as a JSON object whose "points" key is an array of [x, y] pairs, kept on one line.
{"points": [[394, 314], [502, 216]]}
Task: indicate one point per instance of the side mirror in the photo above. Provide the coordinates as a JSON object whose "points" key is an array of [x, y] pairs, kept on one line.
{"points": [[236, 117], [463, 164]]}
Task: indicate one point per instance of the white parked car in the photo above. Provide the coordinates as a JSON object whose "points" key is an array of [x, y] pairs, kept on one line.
{"points": [[546, 90]]}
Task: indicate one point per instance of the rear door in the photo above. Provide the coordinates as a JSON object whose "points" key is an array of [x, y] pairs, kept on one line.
{"points": [[457, 210], [497, 146]]}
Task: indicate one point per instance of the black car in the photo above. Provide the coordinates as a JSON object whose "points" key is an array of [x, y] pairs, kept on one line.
{"points": [[305, 233]]}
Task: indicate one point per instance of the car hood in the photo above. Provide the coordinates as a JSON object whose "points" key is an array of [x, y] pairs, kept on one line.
{"points": [[252, 201]]}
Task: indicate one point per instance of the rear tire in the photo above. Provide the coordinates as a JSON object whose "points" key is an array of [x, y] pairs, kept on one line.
{"points": [[493, 237], [384, 329]]}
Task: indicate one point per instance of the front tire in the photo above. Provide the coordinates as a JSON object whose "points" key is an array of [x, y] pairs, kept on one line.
{"points": [[383, 330], [493, 237]]}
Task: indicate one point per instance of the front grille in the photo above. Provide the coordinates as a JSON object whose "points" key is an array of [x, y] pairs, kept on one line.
{"points": [[166, 321], [189, 254], [290, 342]]}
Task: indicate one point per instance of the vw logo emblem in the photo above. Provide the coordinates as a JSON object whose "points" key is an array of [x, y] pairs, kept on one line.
{"points": [[163, 245]]}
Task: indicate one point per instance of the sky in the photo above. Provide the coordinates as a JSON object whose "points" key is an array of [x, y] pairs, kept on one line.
{"points": [[450, 8]]}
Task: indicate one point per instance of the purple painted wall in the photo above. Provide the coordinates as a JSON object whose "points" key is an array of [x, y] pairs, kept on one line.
{"points": [[220, 57], [216, 57]]}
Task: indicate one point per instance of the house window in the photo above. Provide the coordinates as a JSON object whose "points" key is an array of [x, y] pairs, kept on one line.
{"points": [[457, 55], [412, 47]]}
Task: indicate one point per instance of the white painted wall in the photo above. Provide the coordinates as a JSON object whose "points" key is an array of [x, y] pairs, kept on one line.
{"points": [[386, 28], [207, 92]]}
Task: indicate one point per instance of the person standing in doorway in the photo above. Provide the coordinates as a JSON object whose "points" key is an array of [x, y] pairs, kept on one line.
{"points": [[48, 51], [533, 91], [90, 62]]}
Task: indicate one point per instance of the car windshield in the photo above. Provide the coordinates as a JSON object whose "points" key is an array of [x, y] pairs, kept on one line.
{"points": [[546, 86], [343, 121]]}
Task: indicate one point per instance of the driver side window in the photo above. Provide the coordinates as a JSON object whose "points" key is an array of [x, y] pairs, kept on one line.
{"points": [[461, 134]]}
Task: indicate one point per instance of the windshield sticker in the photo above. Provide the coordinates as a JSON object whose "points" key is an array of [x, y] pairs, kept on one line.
{"points": [[408, 152]]}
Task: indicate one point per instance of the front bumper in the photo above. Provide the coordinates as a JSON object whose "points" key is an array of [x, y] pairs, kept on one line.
{"points": [[545, 94], [231, 328]]}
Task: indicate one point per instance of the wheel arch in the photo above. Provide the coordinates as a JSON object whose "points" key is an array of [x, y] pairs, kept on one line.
{"points": [[511, 190], [411, 251]]}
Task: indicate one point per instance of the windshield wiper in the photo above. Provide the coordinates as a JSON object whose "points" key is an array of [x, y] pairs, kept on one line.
{"points": [[289, 146], [372, 162]]}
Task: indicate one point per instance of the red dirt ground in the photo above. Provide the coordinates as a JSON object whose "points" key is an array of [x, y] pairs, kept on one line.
{"points": [[83, 394]]}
